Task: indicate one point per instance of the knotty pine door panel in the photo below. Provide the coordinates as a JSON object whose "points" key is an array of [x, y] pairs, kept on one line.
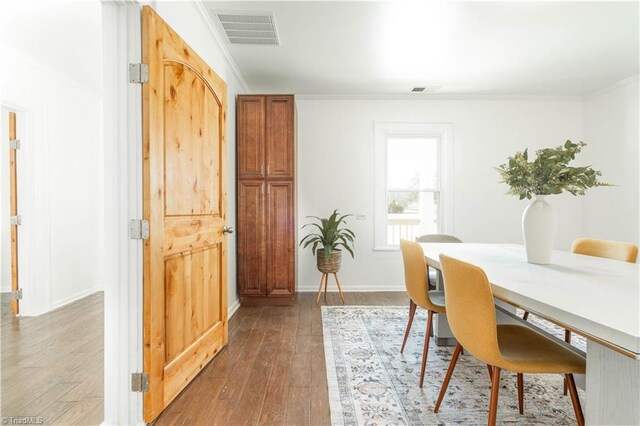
{"points": [[192, 175]]}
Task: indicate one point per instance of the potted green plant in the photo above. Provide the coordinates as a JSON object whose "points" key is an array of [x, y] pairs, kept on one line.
{"points": [[548, 174], [327, 238]]}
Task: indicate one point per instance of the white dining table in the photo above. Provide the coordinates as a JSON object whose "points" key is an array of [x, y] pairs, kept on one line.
{"points": [[595, 297]]}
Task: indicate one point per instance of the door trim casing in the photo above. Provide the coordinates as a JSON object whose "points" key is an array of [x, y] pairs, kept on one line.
{"points": [[122, 109]]}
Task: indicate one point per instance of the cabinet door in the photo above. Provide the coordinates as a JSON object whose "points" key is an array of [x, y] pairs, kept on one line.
{"points": [[251, 142], [251, 238], [280, 136], [280, 239]]}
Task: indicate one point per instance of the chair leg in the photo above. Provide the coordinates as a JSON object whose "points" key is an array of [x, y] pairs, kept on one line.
{"points": [[493, 402], [339, 288], [520, 393], [490, 372], [574, 399], [567, 338], [320, 289], [525, 316], [425, 351], [447, 377], [412, 312]]}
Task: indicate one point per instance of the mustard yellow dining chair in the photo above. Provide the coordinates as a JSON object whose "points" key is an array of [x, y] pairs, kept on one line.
{"points": [[416, 281], [472, 318], [614, 250]]}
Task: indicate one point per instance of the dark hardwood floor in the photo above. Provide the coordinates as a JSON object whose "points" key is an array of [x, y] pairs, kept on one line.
{"points": [[52, 365], [272, 372]]}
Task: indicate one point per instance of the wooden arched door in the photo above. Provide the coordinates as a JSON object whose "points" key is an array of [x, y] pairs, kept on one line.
{"points": [[185, 274]]}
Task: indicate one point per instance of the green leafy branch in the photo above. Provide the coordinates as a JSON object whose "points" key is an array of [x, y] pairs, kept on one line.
{"points": [[549, 173]]}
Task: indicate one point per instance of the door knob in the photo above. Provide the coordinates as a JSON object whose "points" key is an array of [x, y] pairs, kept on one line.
{"points": [[227, 230]]}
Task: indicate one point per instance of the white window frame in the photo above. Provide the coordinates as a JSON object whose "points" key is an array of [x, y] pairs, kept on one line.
{"points": [[443, 132]]}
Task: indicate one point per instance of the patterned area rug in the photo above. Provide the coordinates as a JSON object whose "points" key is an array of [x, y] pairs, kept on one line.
{"points": [[371, 383]]}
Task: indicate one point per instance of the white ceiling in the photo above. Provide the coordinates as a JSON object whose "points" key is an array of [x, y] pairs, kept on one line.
{"points": [[470, 48]]}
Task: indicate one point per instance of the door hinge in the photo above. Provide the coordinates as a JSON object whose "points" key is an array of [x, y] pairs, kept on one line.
{"points": [[139, 382], [14, 144], [16, 220], [138, 229], [17, 295], [138, 73]]}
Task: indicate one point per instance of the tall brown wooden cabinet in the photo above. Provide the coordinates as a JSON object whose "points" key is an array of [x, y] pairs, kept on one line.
{"points": [[266, 208]]}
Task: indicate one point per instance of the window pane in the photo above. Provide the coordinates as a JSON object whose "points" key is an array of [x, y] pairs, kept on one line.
{"points": [[412, 163], [411, 214]]}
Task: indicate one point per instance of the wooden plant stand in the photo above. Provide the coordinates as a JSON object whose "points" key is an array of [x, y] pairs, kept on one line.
{"points": [[325, 279]]}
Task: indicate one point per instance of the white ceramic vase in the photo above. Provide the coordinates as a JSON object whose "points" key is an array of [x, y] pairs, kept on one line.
{"points": [[539, 223]]}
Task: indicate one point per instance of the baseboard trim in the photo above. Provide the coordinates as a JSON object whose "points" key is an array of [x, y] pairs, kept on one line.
{"points": [[60, 303], [233, 309]]}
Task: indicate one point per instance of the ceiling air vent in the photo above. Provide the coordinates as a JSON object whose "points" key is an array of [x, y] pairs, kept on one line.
{"points": [[254, 28], [425, 89]]}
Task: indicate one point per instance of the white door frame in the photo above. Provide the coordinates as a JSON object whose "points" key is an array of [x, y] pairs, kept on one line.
{"points": [[123, 202]]}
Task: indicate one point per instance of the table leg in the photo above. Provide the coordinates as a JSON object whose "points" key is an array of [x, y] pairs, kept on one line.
{"points": [[441, 331], [613, 387]]}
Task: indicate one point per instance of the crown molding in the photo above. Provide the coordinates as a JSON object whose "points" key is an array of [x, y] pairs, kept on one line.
{"points": [[613, 86], [439, 97], [202, 11]]}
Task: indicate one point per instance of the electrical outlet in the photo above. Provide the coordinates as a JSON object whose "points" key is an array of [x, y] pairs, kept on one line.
{"points": [[361, 216]]}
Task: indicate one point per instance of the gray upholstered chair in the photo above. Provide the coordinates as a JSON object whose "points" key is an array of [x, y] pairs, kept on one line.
{"points": [[436, 238]]}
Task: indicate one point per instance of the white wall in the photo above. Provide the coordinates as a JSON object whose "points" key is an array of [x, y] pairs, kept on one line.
{"points": [[612, 120], [59, 165], [335, 158], [188, 21]]}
